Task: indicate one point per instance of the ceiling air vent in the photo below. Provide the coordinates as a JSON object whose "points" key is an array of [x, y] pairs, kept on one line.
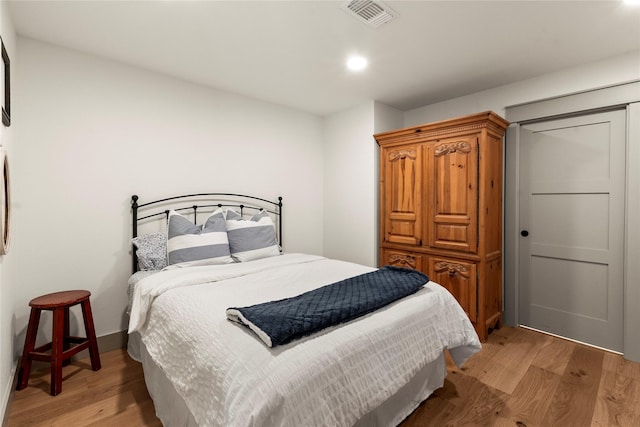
{"points": [[373, 13]]}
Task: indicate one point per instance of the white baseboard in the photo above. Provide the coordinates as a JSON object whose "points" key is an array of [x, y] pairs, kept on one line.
{"points": [[7, 394]]}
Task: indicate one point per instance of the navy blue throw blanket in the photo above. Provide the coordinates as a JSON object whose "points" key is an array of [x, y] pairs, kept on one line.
{"points": [[280, 322]]}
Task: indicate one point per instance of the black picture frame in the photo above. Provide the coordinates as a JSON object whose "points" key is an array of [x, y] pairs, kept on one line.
{"points": [[5, 203], [6, 105]]}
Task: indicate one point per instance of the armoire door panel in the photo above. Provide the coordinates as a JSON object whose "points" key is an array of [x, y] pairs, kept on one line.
{"points": [[452, 176], [456, 236], [402, 230], [402, 185]]}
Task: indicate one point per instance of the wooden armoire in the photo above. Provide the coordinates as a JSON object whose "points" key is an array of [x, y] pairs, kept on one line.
{"points": [[441, 208]]}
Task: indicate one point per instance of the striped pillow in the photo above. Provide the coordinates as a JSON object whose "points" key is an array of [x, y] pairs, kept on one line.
{"points": [[189, 244], [251, 239]]}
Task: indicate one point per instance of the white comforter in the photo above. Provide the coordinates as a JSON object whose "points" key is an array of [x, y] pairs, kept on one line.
{"points": [[227, 376]]}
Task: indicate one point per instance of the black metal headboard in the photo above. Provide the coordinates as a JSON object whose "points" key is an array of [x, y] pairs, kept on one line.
{"points": [[192, 202]]}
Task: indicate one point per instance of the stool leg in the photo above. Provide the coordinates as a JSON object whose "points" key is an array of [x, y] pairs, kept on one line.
{"points": [[29, 345], [57, 341], [91, 335], [66, 345]]}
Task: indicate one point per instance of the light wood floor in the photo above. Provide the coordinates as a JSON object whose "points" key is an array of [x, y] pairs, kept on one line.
{"points": [[520, 378]]}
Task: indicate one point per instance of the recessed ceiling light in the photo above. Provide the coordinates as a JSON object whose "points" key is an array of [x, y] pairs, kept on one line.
{"points": [[357, 63]]}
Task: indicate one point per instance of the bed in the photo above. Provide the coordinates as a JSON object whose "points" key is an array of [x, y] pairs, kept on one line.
{"points": [[201, 369]]}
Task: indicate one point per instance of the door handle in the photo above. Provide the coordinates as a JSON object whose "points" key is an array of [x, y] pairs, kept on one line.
{"points": [[524, 233]]}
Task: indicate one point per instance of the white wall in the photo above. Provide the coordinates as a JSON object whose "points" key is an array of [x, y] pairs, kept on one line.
{"points": [[91, 132], [351, 181], [7, 285], [615, 70], [387, 118], [349, 197]]}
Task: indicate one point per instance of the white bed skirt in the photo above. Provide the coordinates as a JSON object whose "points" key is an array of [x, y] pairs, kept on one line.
{"points": [[172, 411]]}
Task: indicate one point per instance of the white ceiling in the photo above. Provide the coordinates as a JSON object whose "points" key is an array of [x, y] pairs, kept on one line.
{"points": [[292, 53]]}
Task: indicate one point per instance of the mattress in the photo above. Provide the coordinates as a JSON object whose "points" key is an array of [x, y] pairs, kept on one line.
{"points": [[224, 375]]}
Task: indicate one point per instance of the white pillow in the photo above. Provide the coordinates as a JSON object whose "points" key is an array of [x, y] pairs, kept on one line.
{"points": [[189, 244], [251, 239], [151, 250]]}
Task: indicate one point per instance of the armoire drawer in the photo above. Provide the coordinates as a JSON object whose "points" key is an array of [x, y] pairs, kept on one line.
{"points": [[402, 259], [459, 278]]}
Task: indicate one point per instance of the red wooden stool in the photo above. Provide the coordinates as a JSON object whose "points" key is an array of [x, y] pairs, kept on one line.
{"points": [[60, 346]]}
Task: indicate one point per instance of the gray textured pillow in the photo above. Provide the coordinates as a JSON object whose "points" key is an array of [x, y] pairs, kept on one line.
{"points": [[151, 250], [190, 244], [251, 239]]}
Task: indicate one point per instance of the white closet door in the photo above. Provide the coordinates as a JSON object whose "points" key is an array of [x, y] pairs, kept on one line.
{"points": [[572, 174]]}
